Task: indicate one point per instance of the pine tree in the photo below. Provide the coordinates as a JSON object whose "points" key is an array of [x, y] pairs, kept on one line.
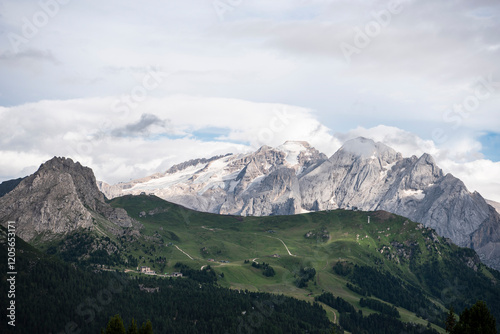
{"points": [[476, 320], [450, 321], [146, 328], [115, 325], [132, 328]]}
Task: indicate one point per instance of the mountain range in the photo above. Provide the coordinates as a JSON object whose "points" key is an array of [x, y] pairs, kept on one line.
{"points": [[296, 178], [252, 244]]}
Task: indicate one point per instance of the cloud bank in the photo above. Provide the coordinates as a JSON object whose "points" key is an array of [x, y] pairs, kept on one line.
{"points": [[165, 131], [130, 89]]}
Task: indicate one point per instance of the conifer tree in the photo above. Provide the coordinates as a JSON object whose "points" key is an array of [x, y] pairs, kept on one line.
{"points": [[115, 325], [476, 320], [450, 321], [146, 328], [132, 328]]}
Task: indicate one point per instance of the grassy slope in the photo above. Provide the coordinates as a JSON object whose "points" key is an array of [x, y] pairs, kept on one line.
{"points": [[235, 239]]}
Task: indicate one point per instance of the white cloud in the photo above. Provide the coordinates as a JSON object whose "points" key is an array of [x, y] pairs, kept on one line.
{"points": [[402, 141], [152, 136], [285, 53], [479, 175]]}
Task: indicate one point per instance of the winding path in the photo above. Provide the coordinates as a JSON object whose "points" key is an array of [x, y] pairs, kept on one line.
{"points": [[289, 253]]}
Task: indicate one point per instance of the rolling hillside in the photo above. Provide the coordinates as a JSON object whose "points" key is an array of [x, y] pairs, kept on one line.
{"points": [[435, 274]]}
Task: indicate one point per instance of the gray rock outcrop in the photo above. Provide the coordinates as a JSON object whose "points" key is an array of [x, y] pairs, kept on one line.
{"points": [[61, 197]]}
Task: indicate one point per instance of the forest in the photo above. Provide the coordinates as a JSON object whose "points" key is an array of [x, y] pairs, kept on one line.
{"points": [[354, 321]]}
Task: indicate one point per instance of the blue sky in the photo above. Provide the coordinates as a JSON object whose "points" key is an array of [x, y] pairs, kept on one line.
{"points": [[131, 88], [491, 146]]}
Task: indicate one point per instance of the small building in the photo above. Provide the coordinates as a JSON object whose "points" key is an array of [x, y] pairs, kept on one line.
{"points": [[147, 271]]}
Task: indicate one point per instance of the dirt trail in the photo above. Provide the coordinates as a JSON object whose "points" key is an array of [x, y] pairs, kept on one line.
{"points": [[289, 253], [189, 256]]}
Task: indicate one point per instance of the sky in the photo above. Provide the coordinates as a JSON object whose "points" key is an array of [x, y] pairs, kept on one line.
{"points": [[130, 88]]}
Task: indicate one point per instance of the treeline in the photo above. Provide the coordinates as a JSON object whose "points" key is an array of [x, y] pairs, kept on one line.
{"points": [[267, 270], [358, 290], [383, 308], [54, 297], [354, 321], [451, 280], [385, 286], [337, 303], [459, 286], [390, 288], [207, 275]]}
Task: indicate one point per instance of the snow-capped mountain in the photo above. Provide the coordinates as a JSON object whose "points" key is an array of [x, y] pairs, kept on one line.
{"points": [[295, 178], [228, 184]]}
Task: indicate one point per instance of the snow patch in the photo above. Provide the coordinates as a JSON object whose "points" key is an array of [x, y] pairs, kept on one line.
{"points": [[232, 185], [386, 169], [292, 150], [167, 180], [417, 194], [365, 148]]}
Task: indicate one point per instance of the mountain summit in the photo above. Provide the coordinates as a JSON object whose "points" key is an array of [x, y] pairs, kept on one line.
{"points": [[367, 149], [295, 178], [59, 198]]}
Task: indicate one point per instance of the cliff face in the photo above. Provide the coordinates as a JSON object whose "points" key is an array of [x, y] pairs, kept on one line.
{"points": [[61, 197], [382, 180]]}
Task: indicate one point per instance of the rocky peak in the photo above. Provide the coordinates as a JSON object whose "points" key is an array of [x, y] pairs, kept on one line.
{"points": [[366, 149], [424, 172], [300, 154], [60, 197], [82, 177]]}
